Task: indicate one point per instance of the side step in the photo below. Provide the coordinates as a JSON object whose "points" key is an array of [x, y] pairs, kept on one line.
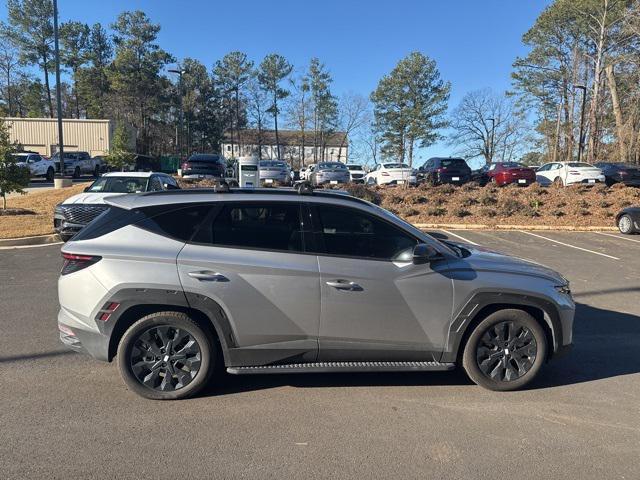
{"points": [[324, 367]]}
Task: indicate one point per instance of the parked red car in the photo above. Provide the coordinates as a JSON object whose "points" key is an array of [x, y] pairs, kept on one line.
{"points": [[504, 173]]}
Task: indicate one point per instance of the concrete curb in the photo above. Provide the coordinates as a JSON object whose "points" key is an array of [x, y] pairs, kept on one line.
{"points": [[24, 241], [562, 228]]}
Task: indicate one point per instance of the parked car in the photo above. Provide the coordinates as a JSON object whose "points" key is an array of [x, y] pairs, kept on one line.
{"points": [[274, 172], [173, 284], [331, 173], [37, 165], [391, 174], [77, 211], [77, 164], [568, 173], [504, 173], [438, 170], [628, 220], [357, 172], [620, 173], [204, 165]]}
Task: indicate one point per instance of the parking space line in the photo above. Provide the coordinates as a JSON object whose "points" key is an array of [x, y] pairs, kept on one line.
{"points": [[618, 237], [460, 237], [31, 246], [569, 245]]}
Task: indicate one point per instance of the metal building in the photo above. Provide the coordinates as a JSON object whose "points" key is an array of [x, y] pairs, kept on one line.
{"points": [[41, 134]]}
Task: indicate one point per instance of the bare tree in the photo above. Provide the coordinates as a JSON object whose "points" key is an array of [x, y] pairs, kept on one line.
{"points": [[352, 115], [487, 125]]}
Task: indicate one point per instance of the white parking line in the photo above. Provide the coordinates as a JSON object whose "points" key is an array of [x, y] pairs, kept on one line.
{"points": [[570, 246], [618, 237], [31, 246], [460, 237]]}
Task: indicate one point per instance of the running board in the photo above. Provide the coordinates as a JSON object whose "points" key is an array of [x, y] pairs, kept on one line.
{"points": [[324, 367]]}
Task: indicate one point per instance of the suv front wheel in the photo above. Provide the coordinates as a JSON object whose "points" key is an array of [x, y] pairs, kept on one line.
{"points": [[505, 351], [166, 356]]}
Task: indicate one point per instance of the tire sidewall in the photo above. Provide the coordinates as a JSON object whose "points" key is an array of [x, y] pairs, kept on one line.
{"points": [[469, 360], [630, 230], [173, 319]]}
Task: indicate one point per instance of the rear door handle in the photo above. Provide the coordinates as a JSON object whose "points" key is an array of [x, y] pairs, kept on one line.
{"points": [[207, 276], [341, 284]]}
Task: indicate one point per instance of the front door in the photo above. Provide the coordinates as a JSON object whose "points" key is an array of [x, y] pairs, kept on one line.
{"points": [[249, 259], [376, 304]]}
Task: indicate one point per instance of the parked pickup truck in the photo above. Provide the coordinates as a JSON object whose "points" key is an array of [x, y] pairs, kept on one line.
{"points": [[78, 163], [37, 165]]}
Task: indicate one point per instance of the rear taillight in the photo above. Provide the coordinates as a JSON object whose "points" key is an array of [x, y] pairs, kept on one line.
{"points": [[441, 169], [74, 262], [185, 165]]}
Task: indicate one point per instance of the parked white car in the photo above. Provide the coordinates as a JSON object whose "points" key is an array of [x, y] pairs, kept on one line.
{"points": [[569, 173], [357, 172], [37, 165], [391, 174]]}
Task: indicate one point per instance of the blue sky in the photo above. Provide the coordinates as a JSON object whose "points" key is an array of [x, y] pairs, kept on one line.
{"points": [[474, 42]]}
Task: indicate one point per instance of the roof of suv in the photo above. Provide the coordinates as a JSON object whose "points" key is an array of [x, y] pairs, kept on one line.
{"points": [[132, 174], [197, 195]]}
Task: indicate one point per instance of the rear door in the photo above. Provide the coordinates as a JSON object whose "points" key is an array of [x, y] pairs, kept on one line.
{"points": [[250, 259], [376, 304]]}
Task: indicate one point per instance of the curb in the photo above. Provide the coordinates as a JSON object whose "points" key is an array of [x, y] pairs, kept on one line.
{"points": [[24, 241], [562, 228]]}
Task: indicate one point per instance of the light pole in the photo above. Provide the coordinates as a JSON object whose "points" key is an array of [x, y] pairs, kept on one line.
{"points": [[580, 136], [179, 135], [58, 97], [493, 129]]}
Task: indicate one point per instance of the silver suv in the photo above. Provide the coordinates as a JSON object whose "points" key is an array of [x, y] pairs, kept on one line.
{"points": [[176, 284]]}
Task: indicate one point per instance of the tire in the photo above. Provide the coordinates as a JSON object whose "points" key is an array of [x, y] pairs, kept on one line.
{"points": [[498, 369], [76, 173], [159, 328], [50, 174], [625, 224], [558, 182]]}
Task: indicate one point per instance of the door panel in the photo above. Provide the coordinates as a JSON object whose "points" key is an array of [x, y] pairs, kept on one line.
{"points": [[395, 312]]}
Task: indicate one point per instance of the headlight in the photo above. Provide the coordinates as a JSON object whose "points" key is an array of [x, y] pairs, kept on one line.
{"points": [[565, 289]]}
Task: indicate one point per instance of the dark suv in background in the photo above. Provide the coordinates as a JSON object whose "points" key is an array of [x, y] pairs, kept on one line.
{"points": [[202, 165], [439, 170]]}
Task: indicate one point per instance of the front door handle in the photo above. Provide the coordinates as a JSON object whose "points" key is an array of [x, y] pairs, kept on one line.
{"points": [[207, 276], [341, 284]]}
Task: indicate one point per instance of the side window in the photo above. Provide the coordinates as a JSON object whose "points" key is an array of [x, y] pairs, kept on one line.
{"points": [[180, 223], [544, 168], [348, 232], [36, 158], [155, 184], [270, 226]]}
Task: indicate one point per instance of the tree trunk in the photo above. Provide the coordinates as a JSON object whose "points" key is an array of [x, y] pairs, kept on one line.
{"points": [[275, 122], [47, 86], [617, 111], [595, 95], [75, 90], [238, 121]]}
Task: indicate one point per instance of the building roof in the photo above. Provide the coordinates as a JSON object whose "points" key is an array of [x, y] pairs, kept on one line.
{"points": [[286, 137]]}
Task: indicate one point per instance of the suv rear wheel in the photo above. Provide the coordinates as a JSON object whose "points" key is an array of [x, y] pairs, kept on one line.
{"points": [[166, 356], [505, 351]]}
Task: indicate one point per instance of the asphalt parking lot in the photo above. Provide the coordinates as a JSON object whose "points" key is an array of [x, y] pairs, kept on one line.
{"points": [[64, 414]]}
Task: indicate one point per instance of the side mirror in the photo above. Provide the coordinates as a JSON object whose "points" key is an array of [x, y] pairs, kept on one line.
{"points": [[86, 189], [168, 186], [424, 253]]}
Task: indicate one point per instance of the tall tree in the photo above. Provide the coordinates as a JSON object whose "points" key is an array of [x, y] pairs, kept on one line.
{"points": [[9, 66], [135, 72], [324, 105], [409, 106], [488, 125], [31, 26], [74, 42], [257, 105], [353, 114], [273, 70], [232, 73], [299, 113], [93, 81]]}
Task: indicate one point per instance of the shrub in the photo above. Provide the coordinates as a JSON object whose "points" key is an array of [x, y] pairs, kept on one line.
{"points": [[488, 212], [585, 213], [461, 212], [468, 201], [362, 191], [437, 212], [625, 203], [558, 213], [488, 199], [411, 212], [470, 186], [447, 189], [604, 204], [561, 204], [421, 200], [511, 206]]}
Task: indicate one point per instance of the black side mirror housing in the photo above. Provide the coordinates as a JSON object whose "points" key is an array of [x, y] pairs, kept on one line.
{"points": [[424, 253], [168, 186], [86, 189]]}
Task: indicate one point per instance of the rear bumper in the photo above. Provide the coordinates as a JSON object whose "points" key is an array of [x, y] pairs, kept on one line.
{"points": [[447, 178], [81, 340]]}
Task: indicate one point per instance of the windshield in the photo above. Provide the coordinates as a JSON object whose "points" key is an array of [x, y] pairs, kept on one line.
{"points": [[579, 165], [20, 157], [119, 185], [512, 165], [272, 163], [396, 165], [354, 167], [454, 162], [331, 166]]}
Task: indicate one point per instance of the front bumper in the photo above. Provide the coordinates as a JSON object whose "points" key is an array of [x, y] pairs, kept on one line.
{"points": [[62, 227]]}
